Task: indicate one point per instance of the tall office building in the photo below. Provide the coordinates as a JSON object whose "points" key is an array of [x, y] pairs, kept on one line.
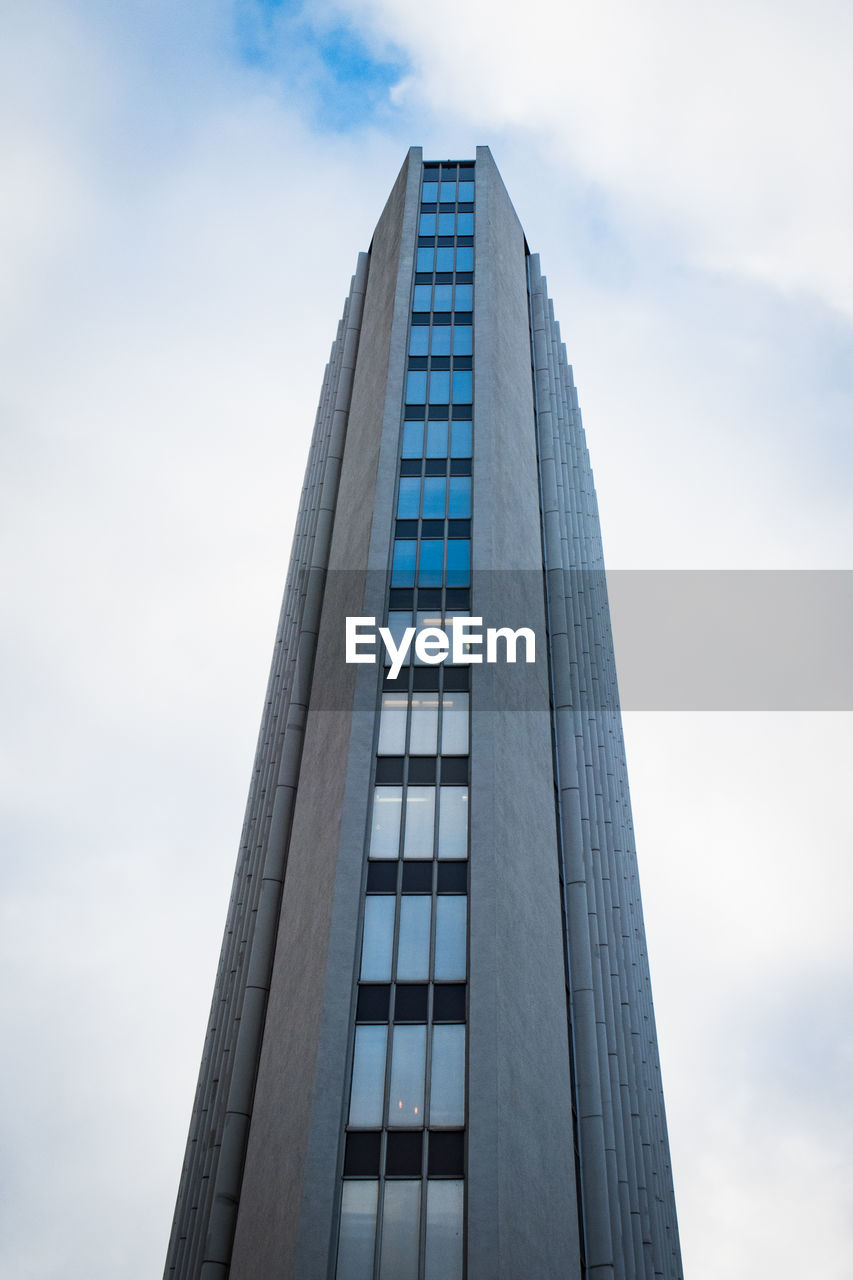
{"points": [[431, 1050]]}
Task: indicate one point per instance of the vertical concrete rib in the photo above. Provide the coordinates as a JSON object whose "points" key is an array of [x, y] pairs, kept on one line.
{"points": [[627, 1200], [210, 1184]]}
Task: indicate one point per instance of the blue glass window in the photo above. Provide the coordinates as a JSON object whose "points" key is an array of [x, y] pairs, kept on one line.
{"points": [[413, 441], [437, 441], [462, 340], [441, 340], [460, 498], [421, 300], [432, 558], [445, 223], [425, 257], [403, 567], [378, 939], [413, 943], [368, 1076], [464, 297], [462, 389], [464, 258], [430, 193], [451, 918], [416, 387], [407, 502], [419, 341], [466, 224], [439, 386], [444, 259], [460, 440], [466, 192], [434, 490], [442, 296], [448, 192], [427, 225], [458, 562]]}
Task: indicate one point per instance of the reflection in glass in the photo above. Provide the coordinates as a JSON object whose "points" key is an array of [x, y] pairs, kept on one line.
{"points": [[420, 821], [458, 558], [392, 724], [401, 1222], [464, 297], [462, 386], [358, 1230], [413, 440], [462, 344], [454, 724], [466, 225], [447, 1083], [451, 915], [426, 227], [437, 440], [444, 1229], [461, 440], [453, 822], [416, 387], [432, 557], [385, 829], [408, 498], [439, 386], [403, 564], [445, 223], [442, 297], [425, 259], [424, 732], [378, 940], [460, 498], [430, 192], [444, 258], [441, 340], [434, 490], [422, 298], [419, 341], [408, 1057], [413, 946], [368, 1076]]}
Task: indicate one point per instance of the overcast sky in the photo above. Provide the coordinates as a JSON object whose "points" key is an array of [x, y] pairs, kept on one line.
{"points": [[186, 188]]}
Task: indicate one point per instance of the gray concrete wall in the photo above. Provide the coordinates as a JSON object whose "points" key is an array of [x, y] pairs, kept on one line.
{"points": [[522, 1212]]}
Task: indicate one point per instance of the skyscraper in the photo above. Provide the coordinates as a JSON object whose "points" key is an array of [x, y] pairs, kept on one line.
{"points": [[431, 1050]]}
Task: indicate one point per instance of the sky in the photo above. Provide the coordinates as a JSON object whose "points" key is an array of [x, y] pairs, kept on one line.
{"points": [[186, 190]]}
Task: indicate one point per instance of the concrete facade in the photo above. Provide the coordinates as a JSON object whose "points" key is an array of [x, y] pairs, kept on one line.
{"points": [[566, 1157]]}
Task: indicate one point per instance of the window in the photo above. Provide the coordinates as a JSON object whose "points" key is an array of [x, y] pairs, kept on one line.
{"points": [[392, 725], [403, 565], [441, 340], [426, 225], [454, 724], [437, 439], [447, 1085], [422, 298], [460, 498], [460, 440], [425, 260], [448, 192], [443, 294], [408, 499], [439, 386], [430, 190], [434, 499], [401, 1230], [416, 387], [462, 345], [368, 1076], [385, 828], [452, 822], [464, 297], [466, 192], [419, 341], [445, 224], [445, 1199], [462, 386], [431, 563], [408, 1059], [466, 224], [464, 258], [413, 440], [444, 258], [458, 560], [451, 917], [413, 946], [423, 736], [420, 821], [358, 1230], [378, 939]]}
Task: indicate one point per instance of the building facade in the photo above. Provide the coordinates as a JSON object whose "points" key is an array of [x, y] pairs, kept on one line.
{"points": [[431, 1050]]}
